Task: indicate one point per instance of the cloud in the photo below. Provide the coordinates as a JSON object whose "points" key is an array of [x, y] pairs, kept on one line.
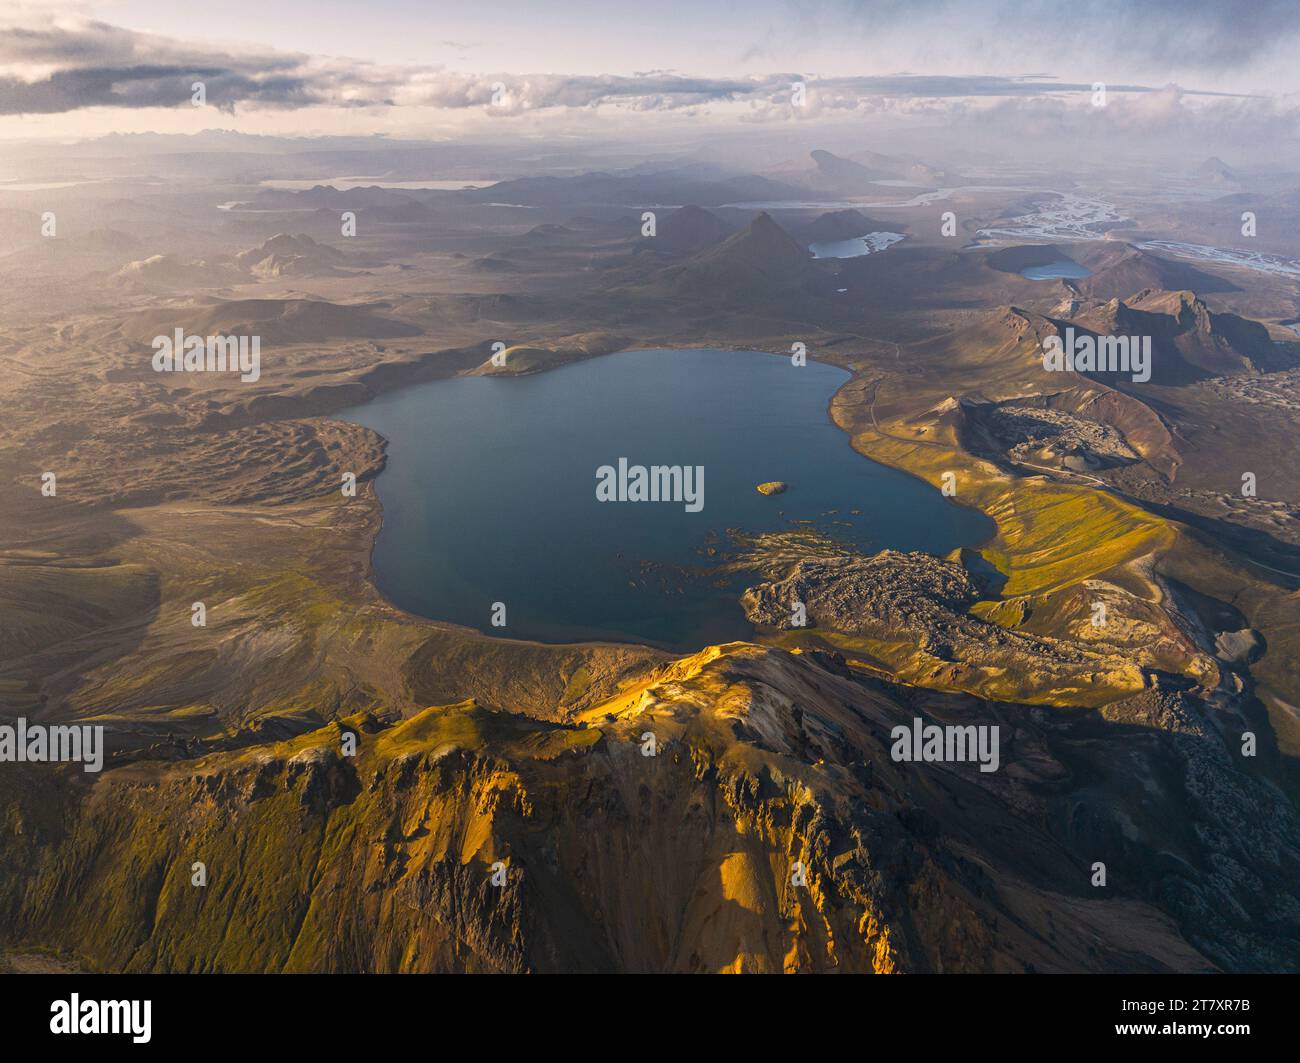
{"points": [[52, 65], [1198, 35], [49, 65], [1165, 117]]}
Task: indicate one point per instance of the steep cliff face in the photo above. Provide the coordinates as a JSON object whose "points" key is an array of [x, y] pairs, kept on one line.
{"points": [[771, 830], [430, 852]]}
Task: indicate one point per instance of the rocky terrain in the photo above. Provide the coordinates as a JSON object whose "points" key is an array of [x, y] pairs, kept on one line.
{"points": [[369, 790], [914, 612], [1069, 442], [1281, 389]]}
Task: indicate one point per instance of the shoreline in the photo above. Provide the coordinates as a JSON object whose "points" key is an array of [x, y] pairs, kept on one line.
{"points": [[371, 575]]}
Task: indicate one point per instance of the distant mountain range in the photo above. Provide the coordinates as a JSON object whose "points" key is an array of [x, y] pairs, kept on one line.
{"points": [[283, 321], [830, 174]]}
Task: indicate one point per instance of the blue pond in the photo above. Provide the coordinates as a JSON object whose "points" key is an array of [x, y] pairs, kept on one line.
{"points": [[1062, 269], [490, 495]]}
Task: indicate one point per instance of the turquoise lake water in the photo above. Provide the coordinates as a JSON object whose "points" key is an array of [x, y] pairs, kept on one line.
{"points": [[489, 493], [1062, 269]]}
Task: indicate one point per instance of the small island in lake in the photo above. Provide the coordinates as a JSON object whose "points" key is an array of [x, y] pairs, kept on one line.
{"points": [[772, 487]]}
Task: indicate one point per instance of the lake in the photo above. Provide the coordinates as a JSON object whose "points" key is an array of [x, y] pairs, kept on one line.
{"points": [[855, 247], [345, 184], [1061, 269], [489, 493]]}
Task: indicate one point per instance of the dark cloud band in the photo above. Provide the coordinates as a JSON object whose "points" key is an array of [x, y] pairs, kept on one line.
{"points": [[97, 65]]}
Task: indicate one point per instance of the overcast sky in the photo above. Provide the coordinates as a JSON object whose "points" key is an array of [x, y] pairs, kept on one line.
{"points": [[415, 67]]}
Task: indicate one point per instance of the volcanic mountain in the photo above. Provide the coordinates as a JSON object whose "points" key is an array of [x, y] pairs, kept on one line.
{"points": [[292, 256], [755, 263], [162, 272], [1216, 171], [825, 172], [1189, 342], [838, 225], [841, 174], [689, 230], [1119, 270]]}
